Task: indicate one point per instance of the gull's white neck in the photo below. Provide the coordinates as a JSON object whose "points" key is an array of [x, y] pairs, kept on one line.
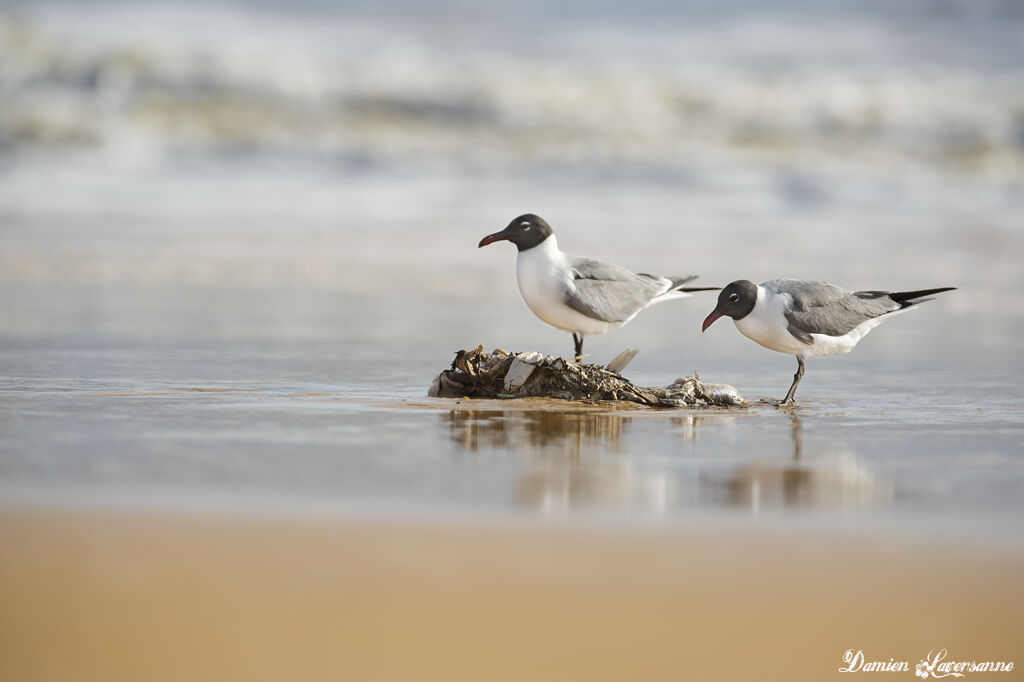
{"points": [[767, 325], [544, 262], [549, 247]]}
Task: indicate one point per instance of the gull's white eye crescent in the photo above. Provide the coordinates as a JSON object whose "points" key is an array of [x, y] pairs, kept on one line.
{"points": [[734, 297], [525, 224]]}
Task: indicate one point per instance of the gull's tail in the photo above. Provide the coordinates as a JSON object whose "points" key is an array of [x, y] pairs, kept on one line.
{"points": [[678, 282], [676, 289], [909, 298]]}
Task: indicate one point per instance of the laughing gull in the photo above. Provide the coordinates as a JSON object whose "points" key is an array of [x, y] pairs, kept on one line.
{"points": [[808, 319], [577, 294]]}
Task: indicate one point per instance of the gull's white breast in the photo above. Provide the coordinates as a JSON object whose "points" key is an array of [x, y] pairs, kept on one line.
{"points": [[766, 323], [544, 279]]}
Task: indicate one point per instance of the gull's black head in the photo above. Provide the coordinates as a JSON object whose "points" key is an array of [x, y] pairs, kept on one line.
{"points": [[735, 301], [525, 232]]}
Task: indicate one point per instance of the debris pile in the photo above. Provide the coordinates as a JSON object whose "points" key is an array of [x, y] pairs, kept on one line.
{"points": [[500, 374]]}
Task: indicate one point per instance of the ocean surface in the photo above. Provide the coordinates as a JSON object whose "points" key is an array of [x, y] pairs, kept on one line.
{"points": [[238, 242]]}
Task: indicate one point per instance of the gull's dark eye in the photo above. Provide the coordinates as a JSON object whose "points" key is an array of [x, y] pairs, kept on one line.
{"points": [[525, 225], [734, 297]]}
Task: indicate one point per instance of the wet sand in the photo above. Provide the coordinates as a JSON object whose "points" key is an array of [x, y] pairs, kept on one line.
{"points": [[103, 595]]}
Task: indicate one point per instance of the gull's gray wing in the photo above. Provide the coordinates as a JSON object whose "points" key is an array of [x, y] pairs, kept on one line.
{"points": [[610, 292], [823, 308]]}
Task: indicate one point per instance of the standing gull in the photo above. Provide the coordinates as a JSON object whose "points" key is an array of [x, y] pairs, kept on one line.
{"points": [[580, 295], [808, 319]]}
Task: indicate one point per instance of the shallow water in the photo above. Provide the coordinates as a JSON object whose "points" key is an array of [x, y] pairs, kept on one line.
{"points": [[308, 425]]}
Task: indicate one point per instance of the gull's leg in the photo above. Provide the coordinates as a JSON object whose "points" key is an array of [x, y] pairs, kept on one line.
{"points": [[788, 400], [577, 339]]}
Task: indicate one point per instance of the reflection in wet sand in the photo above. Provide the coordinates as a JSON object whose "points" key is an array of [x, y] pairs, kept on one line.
{"points": [[553, 443], [568, 432], [835, 480], [559, 486], [688, 427], [587, 460], [566, 457], [819, 479]]}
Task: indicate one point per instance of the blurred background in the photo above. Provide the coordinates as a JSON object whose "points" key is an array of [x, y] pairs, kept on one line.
{"points": [[322, 171], [238, 241]]}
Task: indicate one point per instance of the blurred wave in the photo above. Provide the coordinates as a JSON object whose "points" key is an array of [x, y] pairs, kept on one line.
{"points": [[164, 165], [139, 84]]}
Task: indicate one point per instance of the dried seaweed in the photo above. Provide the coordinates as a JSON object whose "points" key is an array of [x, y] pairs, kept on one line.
{"points": [[500, 374]]}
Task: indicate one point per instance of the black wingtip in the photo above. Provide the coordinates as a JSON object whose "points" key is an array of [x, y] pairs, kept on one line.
{"points": [[909, 297], [689, 289]]}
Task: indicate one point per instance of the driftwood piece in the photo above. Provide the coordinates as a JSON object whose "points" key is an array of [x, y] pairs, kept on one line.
{"points": [[500, 374]]}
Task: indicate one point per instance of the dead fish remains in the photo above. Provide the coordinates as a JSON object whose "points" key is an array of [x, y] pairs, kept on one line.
{"points": [[500, 374]]}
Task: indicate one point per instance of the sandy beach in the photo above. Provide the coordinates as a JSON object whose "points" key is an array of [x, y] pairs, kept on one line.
{"points": [[159, 597]]}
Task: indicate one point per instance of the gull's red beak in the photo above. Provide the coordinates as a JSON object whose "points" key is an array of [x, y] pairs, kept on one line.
{"points": [[496, 237], [710, 320]]}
